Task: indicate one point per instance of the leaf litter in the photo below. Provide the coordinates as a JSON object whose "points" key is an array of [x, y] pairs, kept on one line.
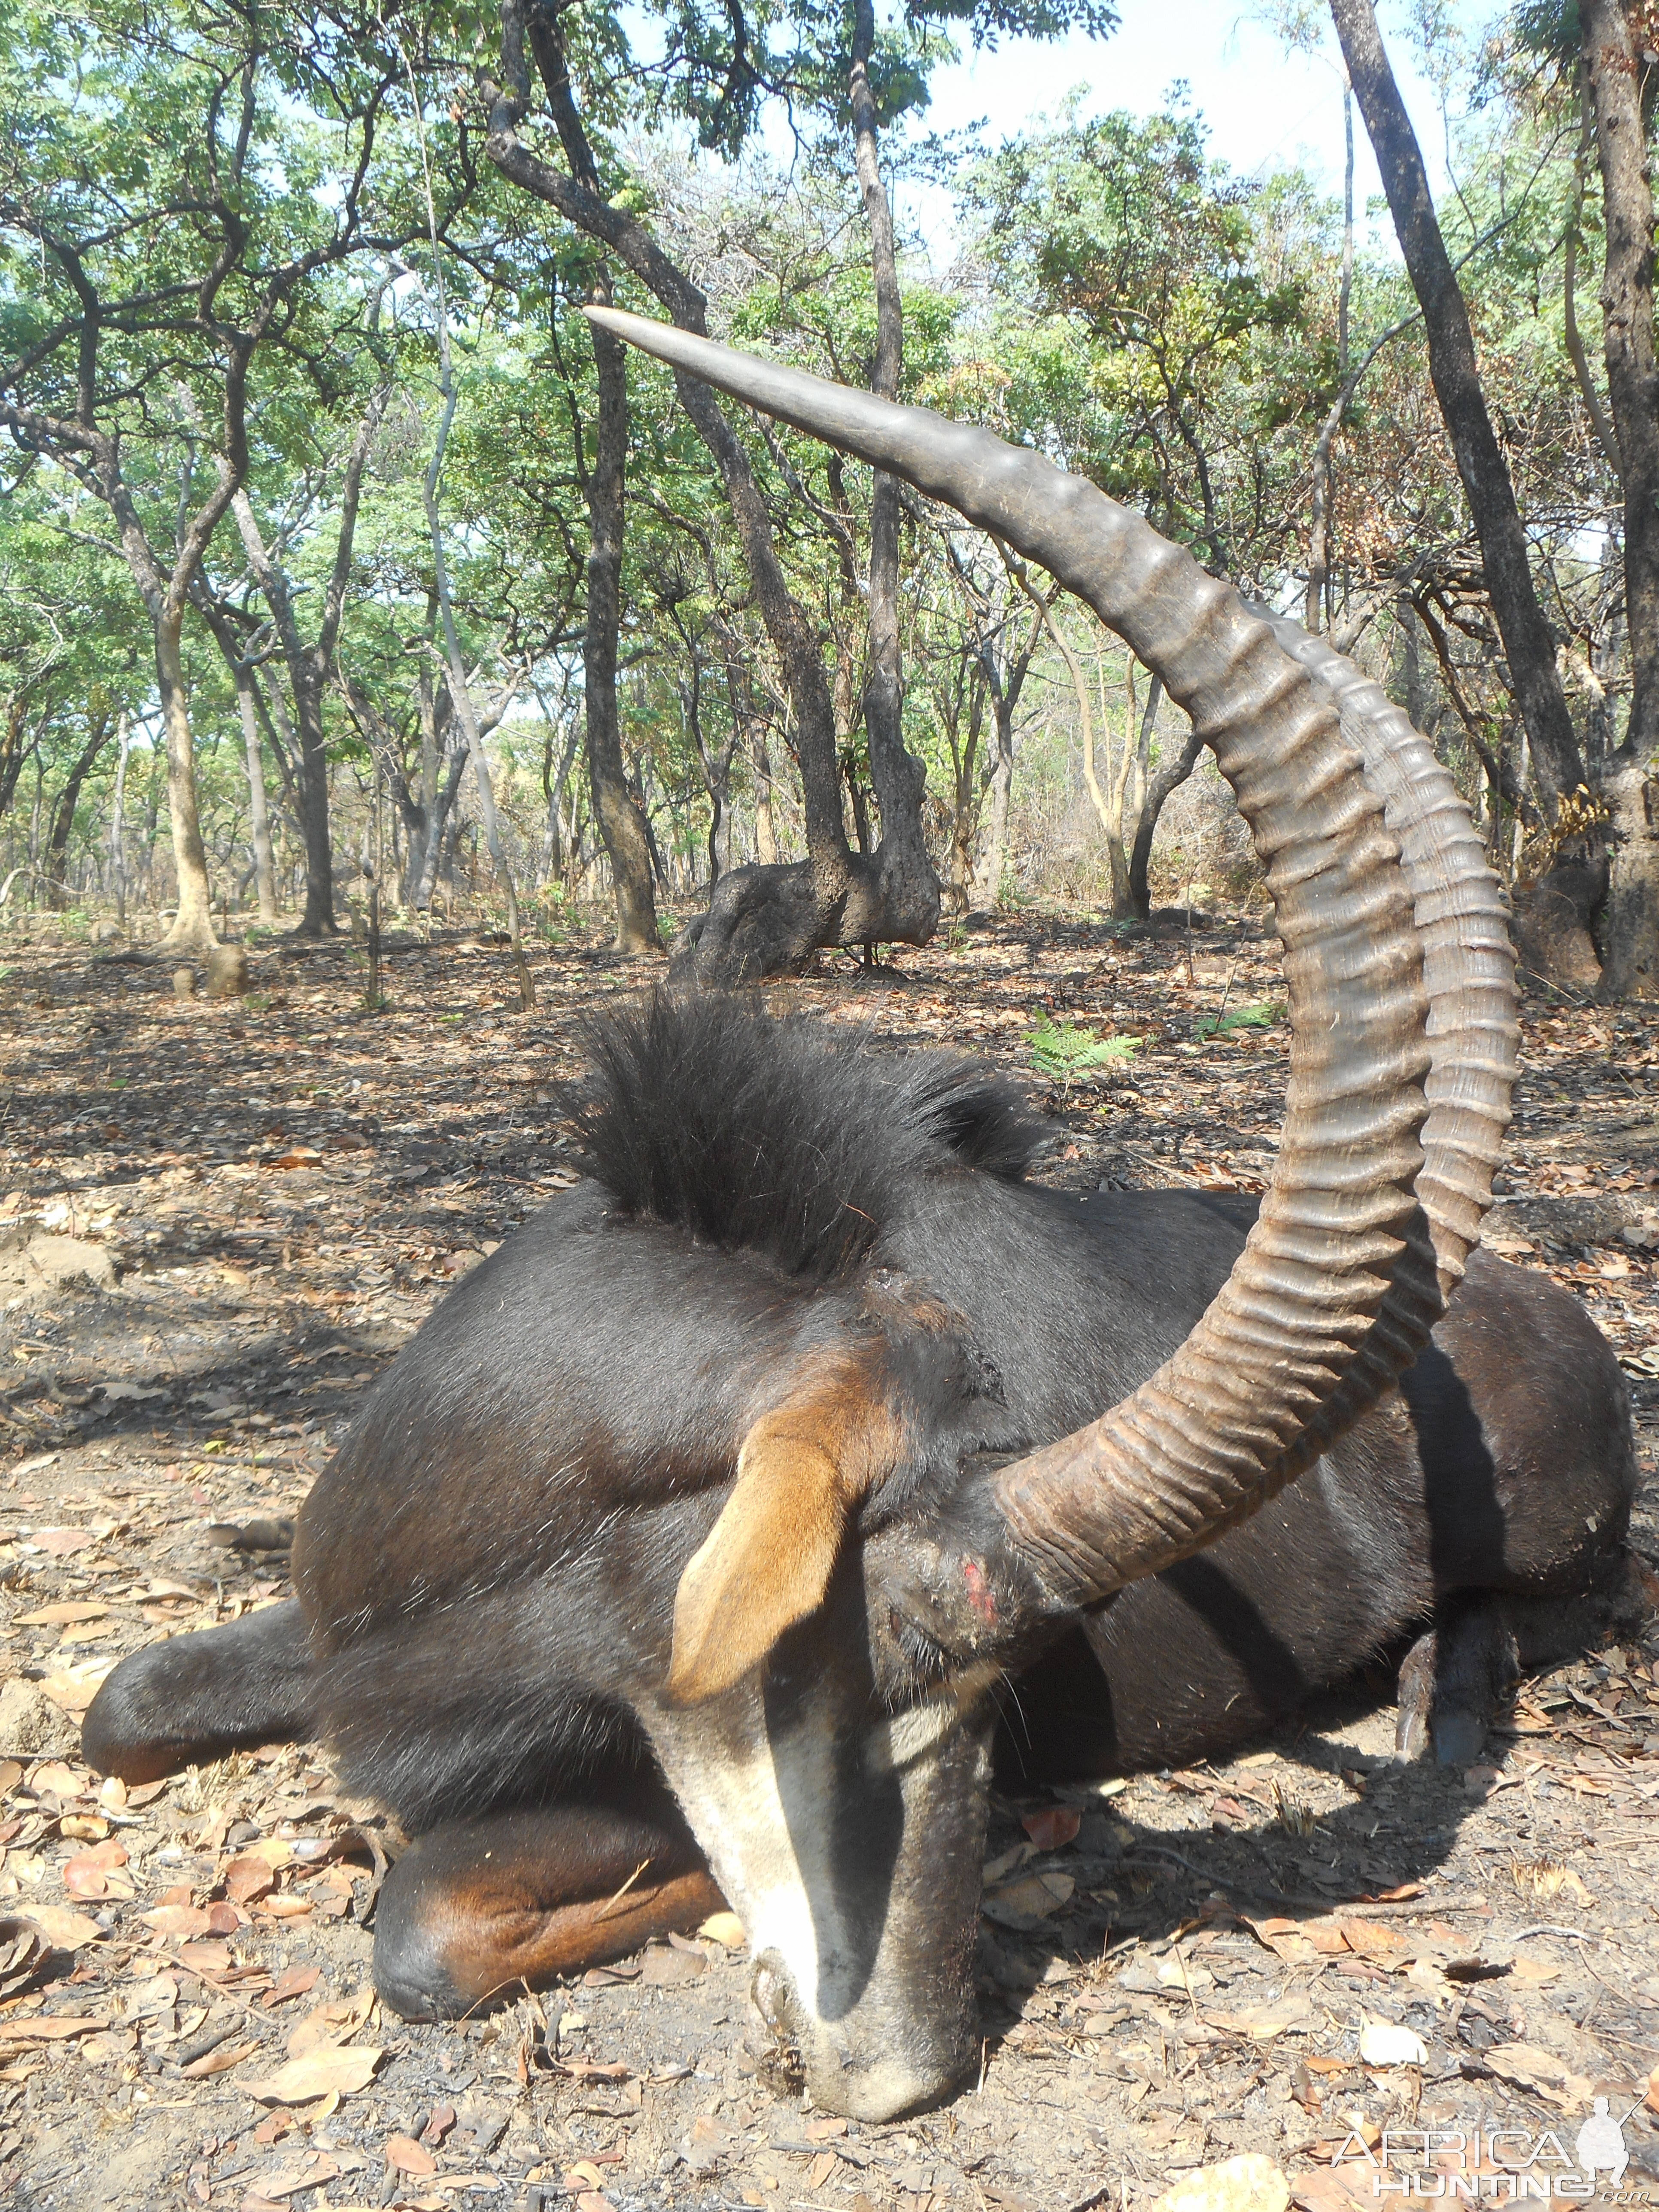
{"points": [[1193, 1987]]}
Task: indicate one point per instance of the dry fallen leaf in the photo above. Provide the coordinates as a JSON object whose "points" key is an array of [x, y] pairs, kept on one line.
{"points": [[1529, 2066], [1382, 2044], [247, 1877], [1337, 2189], [61, 2028], [315, 2075], [218, 2062], [1032, 1896], [294, 1982], [664, 1969], [409, 2157], [330, 2023], [57, 1616], [1249, 2184], [67, 1930], [1371, 1940], [293, 2181], [24, 1948], [177, 1919], [1266, 2023], [724, 1928], [73, 1688], [1054, 1826], [60, 1542], [1534, 1970], [55, 1778], [94, 1873], [205, 1957]]}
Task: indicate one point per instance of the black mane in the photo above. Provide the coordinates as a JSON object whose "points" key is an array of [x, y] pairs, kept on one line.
{"points": [[777, 1137]]}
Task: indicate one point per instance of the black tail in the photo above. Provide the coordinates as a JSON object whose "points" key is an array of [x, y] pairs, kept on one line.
{"points": [[774, 1136]]}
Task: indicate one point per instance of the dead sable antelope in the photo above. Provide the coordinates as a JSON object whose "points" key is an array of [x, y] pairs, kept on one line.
{"points": [[697, 1536]]}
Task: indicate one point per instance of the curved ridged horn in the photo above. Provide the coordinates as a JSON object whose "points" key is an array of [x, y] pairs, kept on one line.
{"points": [[1468, 960], [1336, 1290]]}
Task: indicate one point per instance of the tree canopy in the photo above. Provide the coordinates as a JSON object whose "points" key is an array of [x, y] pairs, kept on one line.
{"points": [[292, 354]]}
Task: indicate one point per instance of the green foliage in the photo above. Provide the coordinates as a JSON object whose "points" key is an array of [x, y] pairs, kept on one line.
{"points": [[1239, 1018], [1164, 335], [1060, 1052]]}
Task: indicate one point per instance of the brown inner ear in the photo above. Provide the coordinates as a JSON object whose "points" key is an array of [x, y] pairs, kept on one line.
{"points": [[802, 1470]]}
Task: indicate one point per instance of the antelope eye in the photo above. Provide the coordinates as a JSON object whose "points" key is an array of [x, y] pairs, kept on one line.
{"points": [[922, 1658]]}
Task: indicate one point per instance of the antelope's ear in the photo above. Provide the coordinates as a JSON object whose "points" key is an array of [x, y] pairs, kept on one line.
{"points": [[803, 1470], [764, 1565]]}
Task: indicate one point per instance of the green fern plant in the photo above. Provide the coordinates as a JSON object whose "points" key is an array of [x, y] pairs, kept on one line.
{"points": [[1060, 1052], [1241, 1018]]}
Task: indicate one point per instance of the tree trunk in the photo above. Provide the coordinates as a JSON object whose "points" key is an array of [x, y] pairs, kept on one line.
{"points": [[715, 763], [1319, 534], [766, 921], [909, 888], [1630, 921], [264, 879], [1167, 780], [1111, 824], [964, 764], [317, 919], [192, 922], [63, 819], [1528, 645], [987, 882], [760, 764], [1629, 918], [422, 866], [306, 683], [118, 855], [621, 824], [1004, 688], [1570, 244]]}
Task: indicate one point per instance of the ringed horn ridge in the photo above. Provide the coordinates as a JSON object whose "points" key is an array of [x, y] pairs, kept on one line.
{"points": [[1398, 967]]}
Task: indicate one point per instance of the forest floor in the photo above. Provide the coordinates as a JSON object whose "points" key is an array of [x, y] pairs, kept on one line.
{"points": [[275, 1192]]}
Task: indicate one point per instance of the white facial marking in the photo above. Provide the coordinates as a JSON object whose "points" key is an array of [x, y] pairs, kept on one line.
{"points": [[903, 1738], [731, 1781]]}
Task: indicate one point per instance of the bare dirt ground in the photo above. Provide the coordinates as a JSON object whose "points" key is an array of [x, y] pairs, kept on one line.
{"points": [[1173, 1970]]}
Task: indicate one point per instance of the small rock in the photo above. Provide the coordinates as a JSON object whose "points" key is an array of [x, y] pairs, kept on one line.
{"points": [[33, 1260], [1249, 2184], [31, 1724], [184, 982]]}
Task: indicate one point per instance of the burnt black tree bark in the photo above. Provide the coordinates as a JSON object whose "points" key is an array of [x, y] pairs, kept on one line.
{"points": [[1613, 70], [1528, 645], [621, 823], [762, 920], [909, 887]]}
